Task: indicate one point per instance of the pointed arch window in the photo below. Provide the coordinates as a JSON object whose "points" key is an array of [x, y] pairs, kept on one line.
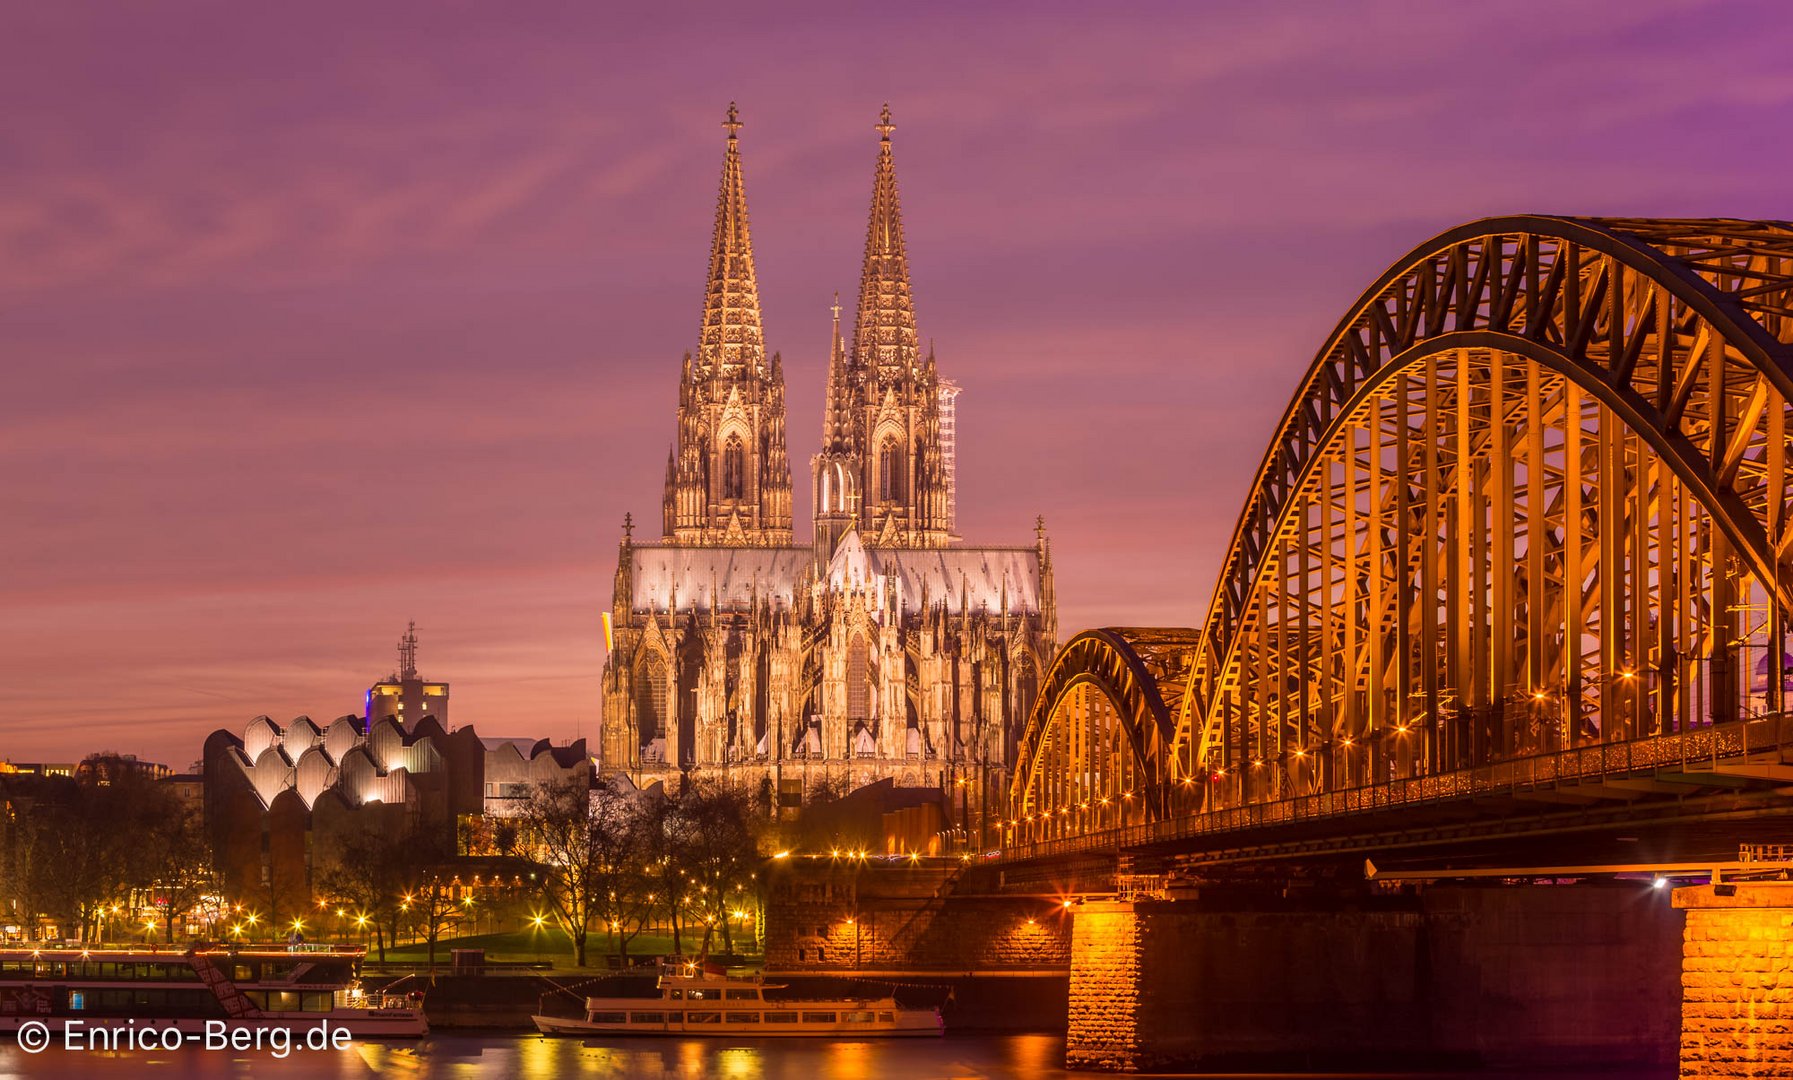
{"points": [[650, 699], [859, 680], [890, 470], [734, 468]]}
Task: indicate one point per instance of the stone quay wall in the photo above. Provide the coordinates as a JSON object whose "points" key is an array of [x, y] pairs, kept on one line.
{"points": [[842, 916]]}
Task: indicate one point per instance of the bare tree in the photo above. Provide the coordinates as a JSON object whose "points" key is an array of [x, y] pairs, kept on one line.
{"points": [[717, 856], [432, 907], [664, 833], [184, 868], [429, 902], [577, 835], [368, 874]]}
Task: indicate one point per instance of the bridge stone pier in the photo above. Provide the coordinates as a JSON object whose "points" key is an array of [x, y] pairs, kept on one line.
{"points": [[1563, 976], [1737, 980]]}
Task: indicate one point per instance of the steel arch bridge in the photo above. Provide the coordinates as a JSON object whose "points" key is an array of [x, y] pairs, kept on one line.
{"points": [[1528, 508]]}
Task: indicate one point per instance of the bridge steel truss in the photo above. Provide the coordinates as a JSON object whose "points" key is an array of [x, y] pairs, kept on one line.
{"points": [[1530, 498]]}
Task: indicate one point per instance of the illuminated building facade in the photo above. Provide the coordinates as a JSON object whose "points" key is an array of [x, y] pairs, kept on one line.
{"points": [[280, 799], [885, 647], [404, 695]]}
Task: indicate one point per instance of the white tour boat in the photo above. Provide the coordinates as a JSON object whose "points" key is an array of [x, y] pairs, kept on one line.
{"points": [[297, 987], [694, 1002]]}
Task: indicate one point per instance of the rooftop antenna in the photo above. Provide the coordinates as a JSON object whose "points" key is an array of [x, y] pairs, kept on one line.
{"points": [[407, 652]]}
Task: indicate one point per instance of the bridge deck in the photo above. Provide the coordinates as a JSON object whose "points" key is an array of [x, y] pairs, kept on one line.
{"points": [[1663, 777]]}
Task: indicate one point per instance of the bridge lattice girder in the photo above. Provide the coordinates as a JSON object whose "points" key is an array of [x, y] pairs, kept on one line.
{"points": [[1103, 753], [1530, 493]]}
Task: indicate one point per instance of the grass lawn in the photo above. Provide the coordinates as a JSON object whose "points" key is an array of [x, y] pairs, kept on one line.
{"points": [[549, 945]]}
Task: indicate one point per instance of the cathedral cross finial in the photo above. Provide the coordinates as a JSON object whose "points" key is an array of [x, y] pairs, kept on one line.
{"points": [[835, 307], [884, 127], [733, 123], [628, 527]]}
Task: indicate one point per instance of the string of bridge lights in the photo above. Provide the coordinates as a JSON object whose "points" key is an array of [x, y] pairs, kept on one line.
{"points": [[1299, 753]]}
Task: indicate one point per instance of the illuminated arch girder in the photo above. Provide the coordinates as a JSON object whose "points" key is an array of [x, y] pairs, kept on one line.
{"points": [[1094, 753], [1417, 614], [1629, 379]]}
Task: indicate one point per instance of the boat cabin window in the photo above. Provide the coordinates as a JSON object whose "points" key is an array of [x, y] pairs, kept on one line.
{"points": [[743, 1018], [887, 1018], [676, 995], [608, 1018], [291, 1000], [703, 1018], [781, 1018], [858, 1017], [818, 1018], [741, 995], [697, 995], [647, 1018]]}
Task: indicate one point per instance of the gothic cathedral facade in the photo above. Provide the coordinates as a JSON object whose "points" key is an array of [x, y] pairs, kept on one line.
{"points": [[883, 649]]}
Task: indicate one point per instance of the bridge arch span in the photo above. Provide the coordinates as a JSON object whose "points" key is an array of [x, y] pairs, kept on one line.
{"points": [[1531, 494], [1095, 752]]}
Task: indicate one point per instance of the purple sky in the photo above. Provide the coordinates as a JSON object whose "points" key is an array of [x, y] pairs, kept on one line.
{"points": [[320, 317]]}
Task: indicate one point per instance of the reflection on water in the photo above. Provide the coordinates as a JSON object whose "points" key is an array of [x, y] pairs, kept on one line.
{"points": [[457, 1057]]}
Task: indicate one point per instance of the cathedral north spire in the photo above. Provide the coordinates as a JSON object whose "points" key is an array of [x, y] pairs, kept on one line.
{"points": [[732, 335], [729, 479]]}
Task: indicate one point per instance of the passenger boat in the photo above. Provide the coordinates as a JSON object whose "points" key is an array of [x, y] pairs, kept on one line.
{"points": [[298, 987], [695, 1002]]}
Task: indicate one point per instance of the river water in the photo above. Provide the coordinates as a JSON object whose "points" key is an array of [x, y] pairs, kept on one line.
{"points": [[461, 1057]]}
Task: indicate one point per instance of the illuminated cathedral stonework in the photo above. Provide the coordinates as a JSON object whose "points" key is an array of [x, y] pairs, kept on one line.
{"points": [[885, 648]]}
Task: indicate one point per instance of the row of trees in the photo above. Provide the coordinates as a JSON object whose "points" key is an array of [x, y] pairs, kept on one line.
{"points": [[617, 859], [393, 883], [89, 855], [125, 855]]}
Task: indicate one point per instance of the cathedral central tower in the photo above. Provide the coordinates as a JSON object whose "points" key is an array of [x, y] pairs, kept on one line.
{"points": [[728, 477]]}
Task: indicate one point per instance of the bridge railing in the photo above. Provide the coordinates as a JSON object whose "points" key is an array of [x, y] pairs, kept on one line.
{"points": [[1705, 748]]}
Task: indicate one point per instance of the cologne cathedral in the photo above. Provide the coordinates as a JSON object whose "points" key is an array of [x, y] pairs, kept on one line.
{"points": [[885, 648]]}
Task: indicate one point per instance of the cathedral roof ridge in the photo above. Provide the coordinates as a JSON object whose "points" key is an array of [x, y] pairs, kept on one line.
{"points": [[674, 545]]}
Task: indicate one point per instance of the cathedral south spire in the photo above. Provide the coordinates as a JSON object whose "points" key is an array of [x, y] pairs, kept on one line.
{"points": [[892, 470], [729, 482], [885, 343]]}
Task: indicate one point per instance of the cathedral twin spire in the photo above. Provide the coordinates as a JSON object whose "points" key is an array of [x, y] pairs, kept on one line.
{"points": [[881, 467], [732, 334], [728, 478], [884, 338]]}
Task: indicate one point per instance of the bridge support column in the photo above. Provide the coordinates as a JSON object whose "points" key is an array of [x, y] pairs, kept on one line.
{"points": [[1737, 980], [1118, 1016]]}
